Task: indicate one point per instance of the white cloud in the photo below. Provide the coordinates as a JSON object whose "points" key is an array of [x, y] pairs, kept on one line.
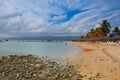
{"points": [[33, 17], [7, 35], [61, 17]]}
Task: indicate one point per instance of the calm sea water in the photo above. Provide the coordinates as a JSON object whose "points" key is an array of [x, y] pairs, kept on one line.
{"points": [[54, 50]]}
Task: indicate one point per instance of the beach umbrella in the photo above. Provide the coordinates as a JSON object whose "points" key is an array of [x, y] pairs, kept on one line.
{"points": [[113, 34]]}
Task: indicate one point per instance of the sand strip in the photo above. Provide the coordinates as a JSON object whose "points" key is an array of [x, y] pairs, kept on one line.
{"points": [[99, 62]]}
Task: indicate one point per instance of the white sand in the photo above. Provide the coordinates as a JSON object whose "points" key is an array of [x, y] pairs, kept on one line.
{"points": [[102, 61]]}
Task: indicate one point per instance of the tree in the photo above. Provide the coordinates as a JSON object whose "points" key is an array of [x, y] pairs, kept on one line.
{"points": [[88, 35], [92, 30], [81, 37], [98, 32], [91, 33], [116, 30], [105, 27]]}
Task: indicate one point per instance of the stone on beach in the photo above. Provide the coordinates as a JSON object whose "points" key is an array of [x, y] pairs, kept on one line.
{"points": [[29, 67]]}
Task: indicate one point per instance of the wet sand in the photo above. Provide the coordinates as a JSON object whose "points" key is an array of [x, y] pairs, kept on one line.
{"points": [[97, 61]]}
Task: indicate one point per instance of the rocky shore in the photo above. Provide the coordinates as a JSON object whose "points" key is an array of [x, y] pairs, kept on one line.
{"points": [[29, 67]]}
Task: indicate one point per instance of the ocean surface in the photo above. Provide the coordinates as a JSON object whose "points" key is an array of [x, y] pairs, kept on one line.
{"points": [[53, 50]]}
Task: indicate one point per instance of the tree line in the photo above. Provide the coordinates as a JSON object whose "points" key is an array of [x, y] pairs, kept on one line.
{"points": [[101, 32]]}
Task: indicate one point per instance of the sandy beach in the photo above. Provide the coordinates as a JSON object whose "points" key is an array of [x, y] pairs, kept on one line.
{"points": [[97, 61]]}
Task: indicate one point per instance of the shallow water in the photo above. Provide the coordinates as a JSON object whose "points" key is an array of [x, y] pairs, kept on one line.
{"points": [[54, 50]]}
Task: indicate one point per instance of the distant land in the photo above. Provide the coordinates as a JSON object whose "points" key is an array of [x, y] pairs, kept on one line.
{"points": [[62, 38]]}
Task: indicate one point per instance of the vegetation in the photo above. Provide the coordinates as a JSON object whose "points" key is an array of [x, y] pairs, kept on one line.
{"points": [[81, 37], [105, 27], [100, 32], [116, 30]]}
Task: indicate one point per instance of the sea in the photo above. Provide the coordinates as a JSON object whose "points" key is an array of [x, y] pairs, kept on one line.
{"points": [[56, 51]]}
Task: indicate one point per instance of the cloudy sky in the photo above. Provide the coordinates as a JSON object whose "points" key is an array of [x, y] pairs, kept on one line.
{"points": [[20, 18]]}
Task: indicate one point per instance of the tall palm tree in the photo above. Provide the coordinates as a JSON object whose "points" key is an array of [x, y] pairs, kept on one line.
{"points": [[88, 35], [98, 32], [105, 26], [92, 35]]}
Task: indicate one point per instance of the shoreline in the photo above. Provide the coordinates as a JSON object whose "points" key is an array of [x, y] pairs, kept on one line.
{"points": [[97, 59]]}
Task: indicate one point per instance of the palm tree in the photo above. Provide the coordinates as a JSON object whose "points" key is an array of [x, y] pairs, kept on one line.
{"points": [[98, 32], [92, 35], [81, 37], [105, 26], [116, 30], [88, 35]]}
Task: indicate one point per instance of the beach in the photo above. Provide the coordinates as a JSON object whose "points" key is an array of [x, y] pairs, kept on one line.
{"points": [[20, 66], [97, 61]]}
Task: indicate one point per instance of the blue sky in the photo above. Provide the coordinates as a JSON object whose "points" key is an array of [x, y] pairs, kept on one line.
{"points": [[19, 18]]}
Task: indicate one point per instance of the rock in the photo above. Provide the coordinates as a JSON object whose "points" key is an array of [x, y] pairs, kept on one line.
{"points": [[28, 67]]}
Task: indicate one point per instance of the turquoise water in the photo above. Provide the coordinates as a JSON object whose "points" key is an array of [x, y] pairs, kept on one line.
{"points": [[54, 50]]}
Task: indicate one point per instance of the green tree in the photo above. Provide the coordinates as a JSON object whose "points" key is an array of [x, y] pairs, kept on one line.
{"points": [[81, 37], [98, 32], [91, 33], [116, 29], [105, 27], [88, 35]]}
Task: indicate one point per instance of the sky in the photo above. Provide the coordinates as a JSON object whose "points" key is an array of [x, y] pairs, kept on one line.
{"points": [[21, 18]]}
